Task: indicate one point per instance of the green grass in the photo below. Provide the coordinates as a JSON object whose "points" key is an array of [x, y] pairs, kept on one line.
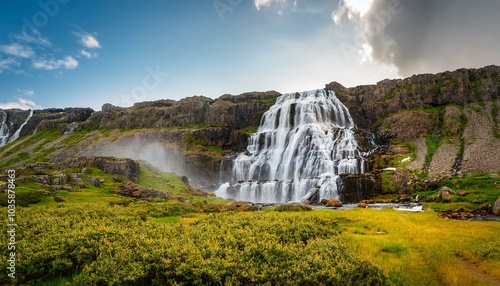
{"points": [[433, 142], [39, 153], [395, 248], [481, 189], [436, 87], [149, 179], [463, 124], [494, 115], [419, 248], [170, 183], [193, 144], [250, 130], [391, 94]]}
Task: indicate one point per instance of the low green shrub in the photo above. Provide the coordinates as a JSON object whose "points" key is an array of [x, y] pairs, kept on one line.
{"points": [[293, 207], [395, 248], [22, 198], [103, 245]]}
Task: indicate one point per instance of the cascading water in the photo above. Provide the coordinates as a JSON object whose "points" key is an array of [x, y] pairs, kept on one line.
{"points": [[5, 129], [18, 131], [305, 140]]}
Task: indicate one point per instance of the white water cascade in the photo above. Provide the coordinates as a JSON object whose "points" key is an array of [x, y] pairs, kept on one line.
{"points": [[5, 129], [304, 141], [18, 131]]}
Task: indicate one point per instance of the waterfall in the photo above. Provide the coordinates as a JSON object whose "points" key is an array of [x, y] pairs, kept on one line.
{"points": [[18, 131], [304, 141], [5, 130]]}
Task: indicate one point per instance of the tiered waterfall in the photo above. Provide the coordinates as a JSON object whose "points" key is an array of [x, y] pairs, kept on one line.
{"points": [[304, 141]]}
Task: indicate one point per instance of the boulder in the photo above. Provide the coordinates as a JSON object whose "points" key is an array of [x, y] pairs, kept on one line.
{"points": [[356, 187], [70, 128], [312, 196], [129, 189], [96, 182], [445, 194], [334, 203], [363, 205], [496, 207], [60, 179], [43, 179]]}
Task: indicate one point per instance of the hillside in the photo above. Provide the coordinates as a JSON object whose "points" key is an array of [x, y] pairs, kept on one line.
{"points": [[444, 125], [133, 181]]}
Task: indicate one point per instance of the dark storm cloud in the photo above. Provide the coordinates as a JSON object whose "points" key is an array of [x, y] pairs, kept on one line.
{"points": [[432, 35]]}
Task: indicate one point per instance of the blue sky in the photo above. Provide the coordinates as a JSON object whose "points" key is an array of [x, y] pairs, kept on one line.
{"points": [[84, 53]]}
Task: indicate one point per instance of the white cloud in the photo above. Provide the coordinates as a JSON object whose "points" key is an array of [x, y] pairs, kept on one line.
{"points": [[88, 54], [7, 64], [26, 92], [87, 40], [68, 63], [354, 9], [17, 50], [267, 3], [34, 37], [262, 3], [21, 103], [393, 33], [90, 42], [302, 6], [30, 49]]}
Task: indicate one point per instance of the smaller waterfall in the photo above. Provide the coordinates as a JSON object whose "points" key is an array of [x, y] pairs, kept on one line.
{"points": [[18, 131], [6, 135], [305, 140], [4, 130]]}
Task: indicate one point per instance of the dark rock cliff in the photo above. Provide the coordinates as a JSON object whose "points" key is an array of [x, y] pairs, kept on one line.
{"points": [[46, 119], [442, 124], [370, 103], [233, 112]]}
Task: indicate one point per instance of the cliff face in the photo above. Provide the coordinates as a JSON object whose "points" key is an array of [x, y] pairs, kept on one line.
{"points": [[16, 120], [430, 125], [233, 112], [370, 103], [445, 123]]}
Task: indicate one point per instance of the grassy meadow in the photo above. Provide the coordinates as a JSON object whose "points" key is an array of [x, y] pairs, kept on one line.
{"points": [[177, 244]]}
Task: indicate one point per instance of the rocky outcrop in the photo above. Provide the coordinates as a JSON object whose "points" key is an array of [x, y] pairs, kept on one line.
{"points": [[230, 111], [370, 103], [445, 194], [120, 166], [63, 119], [357, 187], [448, 120], [129, 189], [481, 151], [496, 207]]}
